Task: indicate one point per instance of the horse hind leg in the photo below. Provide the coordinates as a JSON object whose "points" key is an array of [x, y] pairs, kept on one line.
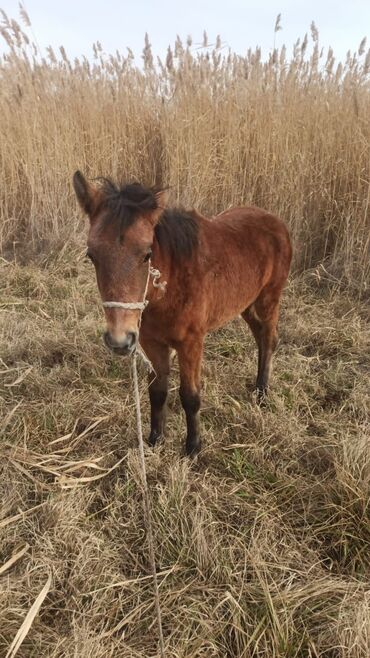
{"points": [[249, 315], [190, 358], [262, 318]]}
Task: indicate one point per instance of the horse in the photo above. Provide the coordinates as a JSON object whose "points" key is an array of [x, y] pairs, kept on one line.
{"points": [[206, 272]]}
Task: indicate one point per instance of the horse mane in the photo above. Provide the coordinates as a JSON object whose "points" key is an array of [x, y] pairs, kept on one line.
{"points": [[177, 230], [177, 233]]}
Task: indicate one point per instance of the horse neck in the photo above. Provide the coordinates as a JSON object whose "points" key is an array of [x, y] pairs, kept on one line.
{"points": [[172, 267]]}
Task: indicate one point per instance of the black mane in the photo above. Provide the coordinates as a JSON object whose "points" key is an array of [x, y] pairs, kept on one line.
{"points": [[176, 231], [123, 202]]}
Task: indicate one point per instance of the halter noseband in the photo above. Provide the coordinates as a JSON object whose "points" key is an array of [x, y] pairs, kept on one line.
{"points": [[140, 306], [129, 306]]}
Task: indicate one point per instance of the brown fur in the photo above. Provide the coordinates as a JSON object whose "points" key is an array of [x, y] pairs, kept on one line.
{"points": [[238, 266]]}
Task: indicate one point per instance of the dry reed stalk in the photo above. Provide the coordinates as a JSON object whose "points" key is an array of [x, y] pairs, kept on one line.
{"points": [[28, 620], [12, 560]]}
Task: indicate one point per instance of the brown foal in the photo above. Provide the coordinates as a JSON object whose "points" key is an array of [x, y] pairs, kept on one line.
{"points": [[215, 269]]}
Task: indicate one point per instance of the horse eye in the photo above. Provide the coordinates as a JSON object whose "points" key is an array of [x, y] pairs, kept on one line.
{"points": [[147, 256]]}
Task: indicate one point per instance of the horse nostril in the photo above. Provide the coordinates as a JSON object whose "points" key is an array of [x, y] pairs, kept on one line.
{"points": [[131, 339], [120, 347], [107, 339]]}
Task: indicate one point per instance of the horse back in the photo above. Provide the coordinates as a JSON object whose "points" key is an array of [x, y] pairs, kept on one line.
{"points": [[242, 252], [256, 234]]}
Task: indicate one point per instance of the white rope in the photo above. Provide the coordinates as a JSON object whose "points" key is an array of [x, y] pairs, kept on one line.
{"points": [[140, 306], [146, 361], [147, 506], [156, 276], [130, 306]]}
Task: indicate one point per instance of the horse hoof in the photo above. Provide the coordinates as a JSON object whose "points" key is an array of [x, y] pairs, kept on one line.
{"points": [[192, 451], [153, 438], [261, 395]]}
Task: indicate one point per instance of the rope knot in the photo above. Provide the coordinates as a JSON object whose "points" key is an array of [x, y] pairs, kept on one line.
{"points": [[156, 276]]}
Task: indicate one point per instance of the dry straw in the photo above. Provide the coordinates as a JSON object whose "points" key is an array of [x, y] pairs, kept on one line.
{"points": [[17, 556], [28, 620], [261, 548]]}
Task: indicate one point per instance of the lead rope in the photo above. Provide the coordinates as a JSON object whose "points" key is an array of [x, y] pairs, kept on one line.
{"points": [[149, 531], [140, 306]]}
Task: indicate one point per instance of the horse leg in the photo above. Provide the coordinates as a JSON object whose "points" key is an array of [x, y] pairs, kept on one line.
{"points": [[267, 312], [255, 326], [159, 356], [190, 358], [262, 318]]}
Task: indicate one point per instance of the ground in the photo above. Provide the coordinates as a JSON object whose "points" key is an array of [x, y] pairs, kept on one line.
{"points": [[262, 546]]}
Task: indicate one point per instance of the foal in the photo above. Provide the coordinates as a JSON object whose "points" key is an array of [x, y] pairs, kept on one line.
{"points": [[215, 269]]}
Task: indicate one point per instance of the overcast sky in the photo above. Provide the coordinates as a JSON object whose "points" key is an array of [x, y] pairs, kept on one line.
{"points": [[76, 24]]}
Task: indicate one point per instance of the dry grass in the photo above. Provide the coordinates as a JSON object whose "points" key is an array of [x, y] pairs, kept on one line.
{"points": [[263, 547], [290, 134]]}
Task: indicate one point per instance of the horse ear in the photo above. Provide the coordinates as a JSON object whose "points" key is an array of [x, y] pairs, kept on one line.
{"points": [[161, 199], [88, 196]]}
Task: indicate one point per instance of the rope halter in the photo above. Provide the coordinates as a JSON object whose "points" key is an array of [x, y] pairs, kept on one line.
{"points": [[129, 306], [140, 306]]}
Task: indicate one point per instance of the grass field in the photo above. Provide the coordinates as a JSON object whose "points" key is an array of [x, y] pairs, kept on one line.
{"points": [[263, 544]]}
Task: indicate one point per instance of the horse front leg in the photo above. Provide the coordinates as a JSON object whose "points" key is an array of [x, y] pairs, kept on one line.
{"points": [[190, 358], [159, 355]]}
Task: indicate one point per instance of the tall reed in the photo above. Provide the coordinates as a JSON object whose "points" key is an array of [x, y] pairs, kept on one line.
{"points": [[289, 133]]}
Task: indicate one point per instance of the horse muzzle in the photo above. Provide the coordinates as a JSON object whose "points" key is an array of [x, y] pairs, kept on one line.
{"points": [[123, 347]]}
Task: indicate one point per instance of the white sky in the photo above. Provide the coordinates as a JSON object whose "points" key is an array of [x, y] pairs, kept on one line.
{"points": [[76, 24]]}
